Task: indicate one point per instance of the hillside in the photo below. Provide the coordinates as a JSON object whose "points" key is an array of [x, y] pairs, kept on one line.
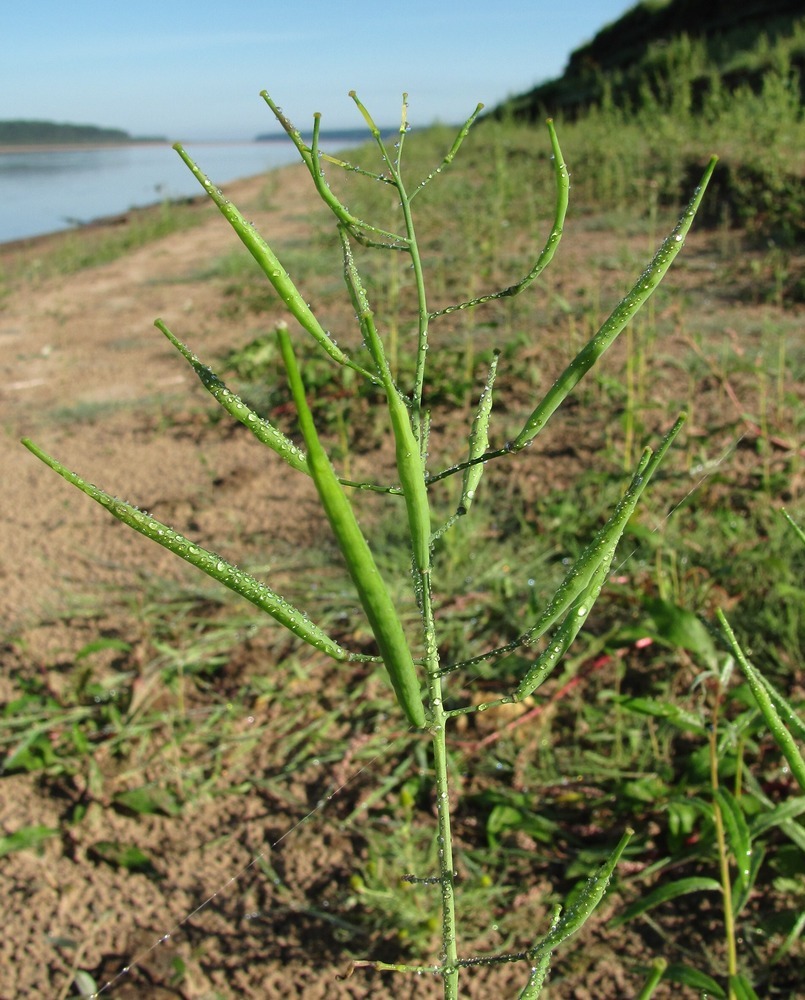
{"points": [[730, 44], [24, 132]]}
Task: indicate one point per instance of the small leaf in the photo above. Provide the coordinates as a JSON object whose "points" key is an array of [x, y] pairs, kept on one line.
{"points": [[148, 801], [122, 856], [778, 815], [664, 894], [505, 817], [680, 627], [697, 980], [677, 716], [795, 526], [740, 839], [85, 984], [25, 838], [97, 645], [33, 753], [649, 788], [741, 988], [771, 703], [742, 888]]}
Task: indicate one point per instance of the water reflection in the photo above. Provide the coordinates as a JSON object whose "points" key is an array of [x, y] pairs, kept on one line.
{"points": [[48, 190]]}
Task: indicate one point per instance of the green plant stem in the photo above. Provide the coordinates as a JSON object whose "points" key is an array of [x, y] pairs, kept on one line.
{"points": [[723, 857], [447, 873], [565, 613], [658, 967], [422, 330]]}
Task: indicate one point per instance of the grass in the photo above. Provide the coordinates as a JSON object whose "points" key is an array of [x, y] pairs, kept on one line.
{"points": [[73, 251], [621, 737]]}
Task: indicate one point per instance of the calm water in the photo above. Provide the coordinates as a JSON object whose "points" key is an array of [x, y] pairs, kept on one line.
{"points": [[41, 192]]}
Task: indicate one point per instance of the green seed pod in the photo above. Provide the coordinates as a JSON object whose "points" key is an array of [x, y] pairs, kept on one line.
{"points": [[620, 316], [270, 265], [213, 565], [603, 544], [371, 588], [564, 636], [264, 431], [479, 441], [572, 919], [412, 481], [407, 448]]}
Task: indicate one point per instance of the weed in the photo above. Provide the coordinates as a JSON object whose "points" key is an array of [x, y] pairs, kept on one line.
{"points": [[414, 664]]}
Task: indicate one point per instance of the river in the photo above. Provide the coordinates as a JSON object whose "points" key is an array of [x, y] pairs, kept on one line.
{"points": [[44, 191]]}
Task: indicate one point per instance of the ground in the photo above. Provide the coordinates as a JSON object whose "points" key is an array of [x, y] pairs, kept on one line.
{"points": [[237, 897]]}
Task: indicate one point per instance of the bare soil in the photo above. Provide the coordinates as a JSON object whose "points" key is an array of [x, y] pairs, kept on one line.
{"points": [[243, 887]]}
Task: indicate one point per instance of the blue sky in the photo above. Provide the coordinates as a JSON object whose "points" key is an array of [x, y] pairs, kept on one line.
{"points": [[194, 70]]}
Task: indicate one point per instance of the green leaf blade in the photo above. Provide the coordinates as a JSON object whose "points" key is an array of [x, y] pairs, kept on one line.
{"points": [[665, 893]]}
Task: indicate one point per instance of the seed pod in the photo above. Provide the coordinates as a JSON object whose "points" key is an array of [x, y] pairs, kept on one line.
{"points": [[603, 544], [263, 430], [213, 565], [620, 316], [479, 440], [371, 588], [564, 636], [571, 920], [270, 265], [407, 448]]}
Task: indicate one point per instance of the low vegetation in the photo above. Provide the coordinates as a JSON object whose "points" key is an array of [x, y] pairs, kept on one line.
{"points": [[656, 720]]}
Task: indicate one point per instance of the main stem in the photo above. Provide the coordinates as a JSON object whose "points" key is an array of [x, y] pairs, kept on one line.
{"points": [[723, 857], [447, 876], [449, 956], [422, 323]]}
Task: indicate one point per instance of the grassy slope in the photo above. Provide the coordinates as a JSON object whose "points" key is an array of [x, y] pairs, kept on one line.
{"points": [[640, 45]]}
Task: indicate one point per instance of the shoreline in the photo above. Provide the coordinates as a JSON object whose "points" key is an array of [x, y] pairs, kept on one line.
{"points": [[116, 220], [71, 147], [125, 215], [77, 147]]}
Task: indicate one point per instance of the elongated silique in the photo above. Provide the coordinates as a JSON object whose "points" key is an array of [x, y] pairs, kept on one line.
{"points": [[372, 590]]}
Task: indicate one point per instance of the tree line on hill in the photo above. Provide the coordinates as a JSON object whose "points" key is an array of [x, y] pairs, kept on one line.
{"points": [[24, 132]]}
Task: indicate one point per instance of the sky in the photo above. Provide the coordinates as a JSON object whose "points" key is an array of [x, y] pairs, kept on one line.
{"points": [[194, 70]]}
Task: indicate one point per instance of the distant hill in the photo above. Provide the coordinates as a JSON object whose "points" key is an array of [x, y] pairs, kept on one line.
{"points": [[644, 48], [23, 132]]}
